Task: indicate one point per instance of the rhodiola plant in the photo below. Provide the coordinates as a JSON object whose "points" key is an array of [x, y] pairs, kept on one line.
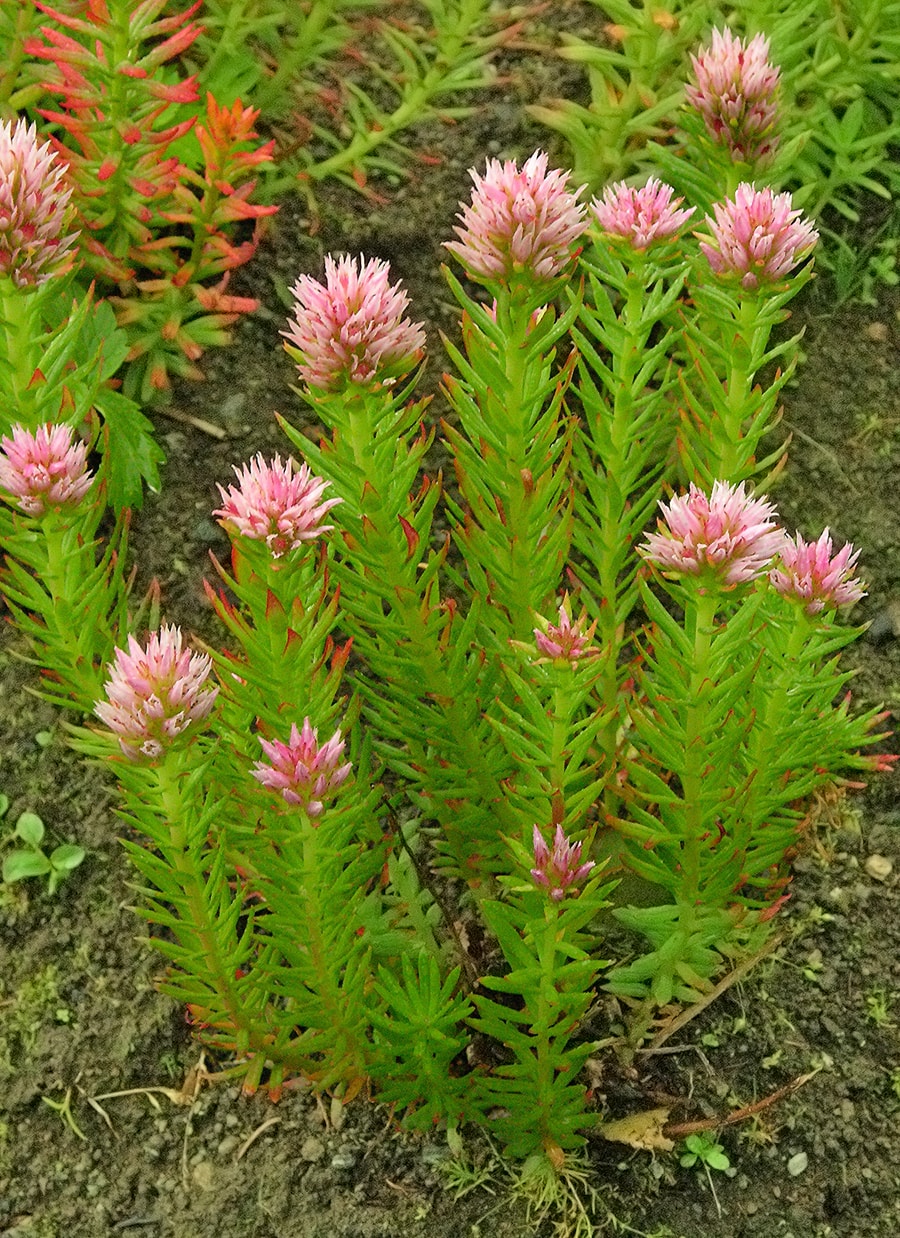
{"points": [[161, 179], [560, 696], [62, 346], [808, 85]]}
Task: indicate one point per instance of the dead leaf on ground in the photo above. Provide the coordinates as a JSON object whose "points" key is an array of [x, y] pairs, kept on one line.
{"points": [[640, 1130]]}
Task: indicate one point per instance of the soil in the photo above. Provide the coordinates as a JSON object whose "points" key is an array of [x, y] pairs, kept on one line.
{"points": [[80, 1018]]}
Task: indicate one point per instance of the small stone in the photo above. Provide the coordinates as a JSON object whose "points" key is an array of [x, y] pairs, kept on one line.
{"points": [[312, 1149], [879, 867], [797, 1164], [227, 1145], [344, 1159], [233, 407], [204, 1175]]}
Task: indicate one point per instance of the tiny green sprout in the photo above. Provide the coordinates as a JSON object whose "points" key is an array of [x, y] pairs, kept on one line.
{"points": [[814, 967], [894, 1077], [702, 1149], [31, 861], [878, 1007]]}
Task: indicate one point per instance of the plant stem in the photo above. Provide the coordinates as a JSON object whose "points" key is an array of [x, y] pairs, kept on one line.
{"points": [[386, 543], [348, 1055], [614, 527], [21, 333], [518, 499], [177, 816], [748, 343], [543, 1019], [69, 562], [700, 613]]}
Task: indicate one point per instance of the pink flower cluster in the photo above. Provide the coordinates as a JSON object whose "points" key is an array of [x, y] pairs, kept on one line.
{"points": [[758, 236], [640, 216], [34, 208], [727, 535], [519, 221], [277, 503], [734, 538], [302, 771], [813, 574], [566, 640], [558, 870], [155, 694], [351, 329], [44, 469], [735, 93]]}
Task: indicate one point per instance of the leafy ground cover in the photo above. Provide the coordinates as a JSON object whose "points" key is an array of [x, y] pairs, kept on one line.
{"points": [[175, 1158]]}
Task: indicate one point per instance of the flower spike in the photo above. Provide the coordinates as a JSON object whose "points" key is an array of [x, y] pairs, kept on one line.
{"points": [[810, 573], [640, 216], [44, 469], [34, 208], [302, 771], [758, 236], [736, 94], [557, 870], [519, 221], [726, 534], [566, 641], [155, 694], [351, 329], [276, 502]]}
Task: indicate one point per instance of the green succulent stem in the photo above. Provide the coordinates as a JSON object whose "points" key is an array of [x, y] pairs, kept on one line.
{"points": [[751, 333], [519, 497], [700, 615], [545, 1015], [19, 310], [177, 812], [387, 543], [347, 1051], [69, 561], [626, 363]]}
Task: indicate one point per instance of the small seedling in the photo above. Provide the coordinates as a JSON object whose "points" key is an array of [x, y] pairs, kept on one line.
{"points": [[878, 1007], [703, 1149], [31, 861]]}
